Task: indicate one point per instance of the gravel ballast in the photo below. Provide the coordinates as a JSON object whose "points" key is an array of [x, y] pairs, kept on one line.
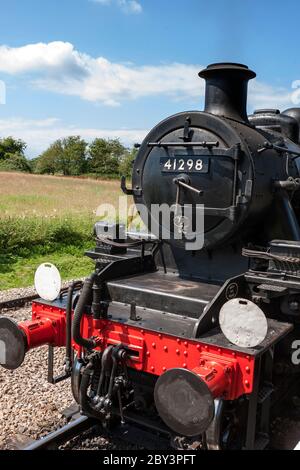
{"points": [[30, 406], [10, 294]]}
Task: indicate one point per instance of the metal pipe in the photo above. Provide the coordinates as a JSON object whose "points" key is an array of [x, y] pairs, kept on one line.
{"points": [[68, 358], [87, 343], [183, 144]]}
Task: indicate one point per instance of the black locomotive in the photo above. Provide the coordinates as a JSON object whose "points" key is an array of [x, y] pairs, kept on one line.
{"points": [[196, 345]]}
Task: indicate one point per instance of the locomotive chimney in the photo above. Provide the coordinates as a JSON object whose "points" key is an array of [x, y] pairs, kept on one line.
{"points": [[227, 89]]}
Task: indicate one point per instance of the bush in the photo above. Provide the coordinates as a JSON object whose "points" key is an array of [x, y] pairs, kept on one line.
{"points": [[24, 236], [14, 162]]}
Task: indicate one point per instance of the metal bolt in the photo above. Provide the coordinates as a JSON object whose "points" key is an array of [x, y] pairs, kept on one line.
{"points": [[294, 306]]}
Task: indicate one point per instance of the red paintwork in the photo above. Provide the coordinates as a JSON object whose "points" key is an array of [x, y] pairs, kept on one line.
{"points": [[229, 374]]}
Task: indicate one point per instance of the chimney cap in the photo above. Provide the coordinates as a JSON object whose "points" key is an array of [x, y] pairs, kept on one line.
{"points": [[227, 67]]}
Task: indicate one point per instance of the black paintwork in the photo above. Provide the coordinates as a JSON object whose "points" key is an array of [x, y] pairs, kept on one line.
{"points": [[242, 201], [249, 186]]}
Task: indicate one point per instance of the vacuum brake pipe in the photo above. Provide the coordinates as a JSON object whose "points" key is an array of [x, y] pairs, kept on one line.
{"points": [[84, 298]]}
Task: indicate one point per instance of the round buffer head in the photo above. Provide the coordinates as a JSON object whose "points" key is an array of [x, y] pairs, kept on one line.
{"points": [[184, 402], [243, 323], [12, 344]]}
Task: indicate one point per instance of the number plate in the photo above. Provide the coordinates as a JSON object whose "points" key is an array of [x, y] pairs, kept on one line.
{"points": [[186, 164]]}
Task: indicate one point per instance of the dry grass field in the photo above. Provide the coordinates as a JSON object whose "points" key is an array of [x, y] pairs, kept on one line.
{"points": [[48, 219], [38, 195]]}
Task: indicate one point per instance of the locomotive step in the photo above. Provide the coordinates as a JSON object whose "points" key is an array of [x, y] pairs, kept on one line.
{"points": [[265, 392], [164, 292], [262, 442], [272, 288]]}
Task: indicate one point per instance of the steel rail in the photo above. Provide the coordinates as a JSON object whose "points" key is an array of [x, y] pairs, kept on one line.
{"points": [[53, 440], [19, 302]]}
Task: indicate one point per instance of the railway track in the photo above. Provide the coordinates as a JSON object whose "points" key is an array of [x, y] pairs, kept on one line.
{"points": [[85, 429], [55, 439], [23, 300], [82, 432], [17, 302]]}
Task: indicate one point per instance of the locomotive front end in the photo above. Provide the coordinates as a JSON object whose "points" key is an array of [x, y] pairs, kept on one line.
{"points": [[179, 332]]}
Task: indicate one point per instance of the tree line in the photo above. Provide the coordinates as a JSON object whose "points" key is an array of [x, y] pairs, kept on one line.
{"points": [[70, 156]]}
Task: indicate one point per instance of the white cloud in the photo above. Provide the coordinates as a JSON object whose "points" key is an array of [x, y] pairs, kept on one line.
{"points": [[57, 58], [262, 95], [131, 6], [60, 68], [128, 6], [296, 93], [39, 134]]}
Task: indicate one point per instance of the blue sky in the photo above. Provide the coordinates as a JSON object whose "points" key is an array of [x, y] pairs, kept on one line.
{"points": [[117, 67]]}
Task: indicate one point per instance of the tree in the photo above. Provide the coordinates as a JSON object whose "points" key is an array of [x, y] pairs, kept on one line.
{"points": [[48, 162], [127, 162], [72, 160], [12, 156], [15, 162], [66, 156], [10, 146], [105, 156]]}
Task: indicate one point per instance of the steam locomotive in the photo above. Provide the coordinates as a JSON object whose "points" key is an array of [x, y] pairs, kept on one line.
{"points": [[195, 344]]}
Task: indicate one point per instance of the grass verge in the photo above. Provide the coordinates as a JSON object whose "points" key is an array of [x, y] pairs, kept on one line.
{"points": [[18, 271], [27, 242], [48, 219]]}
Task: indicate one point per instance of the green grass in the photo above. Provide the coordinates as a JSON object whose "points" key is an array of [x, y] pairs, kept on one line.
{"points": [[25, 236], [27, 242], [16, 271], [48, 219]]}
